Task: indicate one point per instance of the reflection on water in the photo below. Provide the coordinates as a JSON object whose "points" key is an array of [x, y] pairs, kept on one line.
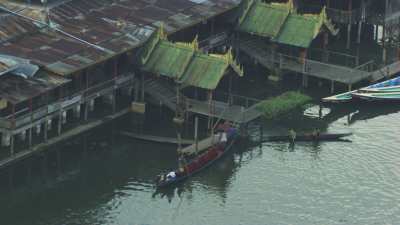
{"points": [[274, 183]]}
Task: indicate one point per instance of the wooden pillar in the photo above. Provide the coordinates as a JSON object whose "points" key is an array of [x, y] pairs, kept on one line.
{"points": [[12, 144], [325, 47], [31, 120], [384, 53], [142, 93], [115, 70], [210, 98], [350, 6], [59, 122], [230, 102], [46, 128], [114, 101]]}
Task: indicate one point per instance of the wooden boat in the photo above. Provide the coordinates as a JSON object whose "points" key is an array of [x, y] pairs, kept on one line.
{"points": [[383, 89], [340, 98], [199, 163], [309, 137], [378, 96], [392, 85]]}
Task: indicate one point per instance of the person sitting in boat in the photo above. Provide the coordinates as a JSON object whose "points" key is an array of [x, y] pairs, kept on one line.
{"points": [[223, 139], [171, 175], [292, 134], [316, 134]]}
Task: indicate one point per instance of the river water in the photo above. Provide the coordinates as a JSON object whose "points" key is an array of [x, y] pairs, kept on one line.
{"points": [[355, 182]]}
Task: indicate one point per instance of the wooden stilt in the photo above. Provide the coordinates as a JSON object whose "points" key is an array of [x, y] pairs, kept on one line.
{"points": [[30, 138], [12, 144], [59, 123], [350, 6], [46, 128]]}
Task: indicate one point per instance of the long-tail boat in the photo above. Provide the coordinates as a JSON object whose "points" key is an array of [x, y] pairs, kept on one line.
{"points": [[392, 85], [308, 137], [200, 162], [378, 96]]}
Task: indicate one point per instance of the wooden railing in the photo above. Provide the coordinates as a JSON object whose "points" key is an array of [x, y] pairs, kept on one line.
{"points": [[24, 116]]}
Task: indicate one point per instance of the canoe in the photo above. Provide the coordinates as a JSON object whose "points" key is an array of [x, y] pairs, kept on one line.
{"points": [[309, 137], [382, 89], [340, 98], [378, 96], [197, 164], [392, 85]]}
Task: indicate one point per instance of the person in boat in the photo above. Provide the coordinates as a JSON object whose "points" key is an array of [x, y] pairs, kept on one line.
{"points": [[316, 134], [171, 175], [292, 135]]}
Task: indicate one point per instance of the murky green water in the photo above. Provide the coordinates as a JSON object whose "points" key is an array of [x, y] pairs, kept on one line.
{"points": [[328, 183]]}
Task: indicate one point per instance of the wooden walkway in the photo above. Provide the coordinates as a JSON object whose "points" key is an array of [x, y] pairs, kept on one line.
{"points": [[328, 71], [159, 139], [165, 94], [234, 113]]}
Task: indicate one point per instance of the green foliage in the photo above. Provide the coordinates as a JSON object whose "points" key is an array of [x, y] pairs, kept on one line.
{"points": [[282, 104]]}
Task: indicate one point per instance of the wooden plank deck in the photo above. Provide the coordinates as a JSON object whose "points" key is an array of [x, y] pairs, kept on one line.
{"points": [[159, 139], [265, 57], [223, 110]]}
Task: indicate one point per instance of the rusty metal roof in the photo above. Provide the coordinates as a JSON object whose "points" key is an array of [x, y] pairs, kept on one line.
{"points": [[116, 25], [16, 89]]}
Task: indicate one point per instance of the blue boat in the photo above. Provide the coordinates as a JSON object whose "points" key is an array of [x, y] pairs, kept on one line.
{"points": [[388, 86]]}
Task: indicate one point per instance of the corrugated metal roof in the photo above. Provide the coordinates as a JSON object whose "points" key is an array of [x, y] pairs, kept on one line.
{"points": [[16, 89], [117, 25]]}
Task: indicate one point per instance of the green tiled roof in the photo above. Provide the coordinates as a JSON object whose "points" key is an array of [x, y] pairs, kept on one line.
{"points": [[168, 59], [185, 63], [264, 20], [299, 30], [205, 71], [279, 22]]}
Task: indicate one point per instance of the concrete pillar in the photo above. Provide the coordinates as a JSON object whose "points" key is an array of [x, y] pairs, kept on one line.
{"points": [[5, 139], [91, 105], [60, 118], [38, 129], [12, 145], [85, 116], [348, 36], [22, 135], [360, 23], [49, 124], [350, 6], [45, 130], [30, 138], [64, 117], [332, 86], [77, 111]]}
